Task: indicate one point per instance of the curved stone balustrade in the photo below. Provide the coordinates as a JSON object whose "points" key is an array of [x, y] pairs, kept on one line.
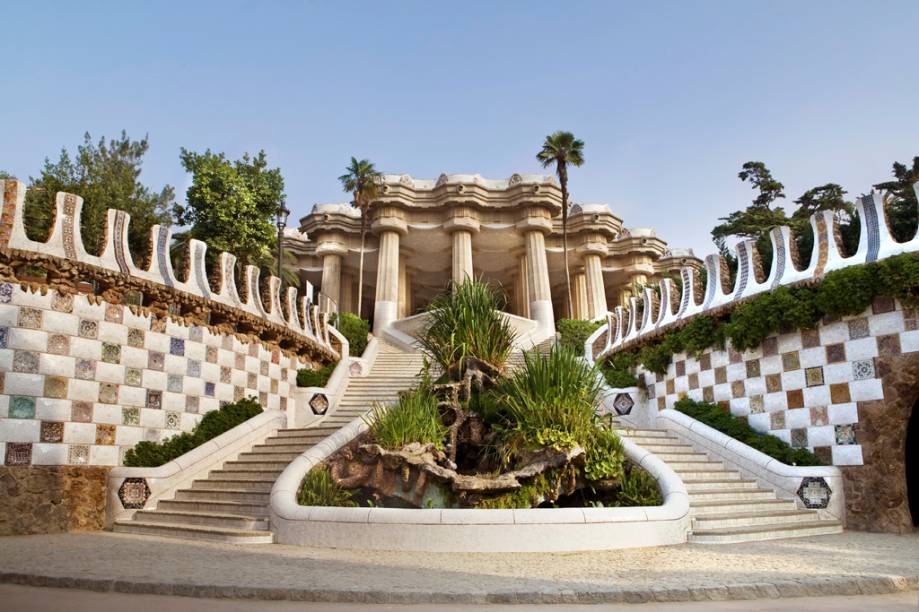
{"points": [[303, 318], [650, 315]]}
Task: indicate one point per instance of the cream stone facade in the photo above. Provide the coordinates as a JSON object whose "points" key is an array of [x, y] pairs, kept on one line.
{"points": [[425, 233]]}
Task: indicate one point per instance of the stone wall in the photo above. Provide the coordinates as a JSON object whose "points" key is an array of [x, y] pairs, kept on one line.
{"points": [[51, 499]]}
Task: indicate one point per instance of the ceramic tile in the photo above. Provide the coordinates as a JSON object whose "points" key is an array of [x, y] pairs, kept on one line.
{"points": [[252, 381], [705, 362], [174, 383], [55, 387], [193, 368], [839, 393], [773, 383], [882, 304], [858, 328], [81, 412], [21, 407], [238, 393], [88, 329], [845, 434], [777, 420], [30, 318], [192, 404], [791, 361], [136, 338], [18, 453], [275, 356], [85, 369], [52, 432], [130, 415], [195, 333], [799, 437], [156, 361], [4, 336], [25, 361], [154, 399], [737, 388], [133, 377], [752, 368], [177, 347], [253, 349], [835, 353], [863, 369], [813, 376], [173, 420], [211, 354], [105, 434], [770, 346], [794, 398], [59, 344], [810, 338], [108, 393], [225, 375], [62, 302], [819, 416], [721, 375], [239, 362], [888, 345], [209, 389], [79, 454]]}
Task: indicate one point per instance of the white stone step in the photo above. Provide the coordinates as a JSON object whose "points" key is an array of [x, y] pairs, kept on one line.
{"points": [[256, 464], [734, 494], [213, 506], [236, 495], [668, 448], [292, 448], [319, 430], [765, 532], [253, 475], [254, 486], [709, 474], [268, 456], [196, 532], [302, 441], [645, 433], [694, 486], [702, 464], [677, 456], [751, 519], [707, 508], [232, 521]]}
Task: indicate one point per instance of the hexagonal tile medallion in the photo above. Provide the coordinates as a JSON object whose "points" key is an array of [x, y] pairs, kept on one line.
{"points": [[623, 403], [814, 492], [133, 493], [319, 403]]}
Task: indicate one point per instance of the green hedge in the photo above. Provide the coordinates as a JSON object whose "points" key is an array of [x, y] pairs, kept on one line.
{"points": [[574, 333], [716, 417], [355, 329], [214, 423], [848, 291], [315, 378]]}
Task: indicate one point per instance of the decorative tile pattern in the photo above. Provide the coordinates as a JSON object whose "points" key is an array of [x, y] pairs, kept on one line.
{"points": [[263, 368], [708, 394], [889, 345], [81, 412], [193, 368], [177, 346], [813, 376], [858, 328], [251, 380], [62, 302], [839, 393], [756, 404], [819, 416], [133, 377], [111, 353], [721, 376], [130, 415], [136, 338], [154, 399], [156, 361], [52, 431], [680, 368], [105, 434], [84, 369], [4, 336], [752, 368], [623, 403], [30, 318], [211, 354], [173, 420], [55, 387], [777, 420], [209, 389], [705, 362], [120, 241], [240, 362], [18, 453], [174, 383], [133, 493], [6, 293], [791, 361], [863, 369], [737, 389], [810, 338], [845, 434], [794, 398], [79, 454], [196, 333], [882, 304], [108, 393], [835, 353], [88, 329], [319, 404], [192, 404], [773, 383], [814, 492], [693, 381], [22, 407], [799, 437], [114, 313], [58, 344], [770, 346], [25, 361], [225, 374]]}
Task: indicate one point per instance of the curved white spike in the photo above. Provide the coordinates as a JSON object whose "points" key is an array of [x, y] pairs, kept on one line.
{"points": [[715, 295], [648, 315], [667, 314], [747, 284]]}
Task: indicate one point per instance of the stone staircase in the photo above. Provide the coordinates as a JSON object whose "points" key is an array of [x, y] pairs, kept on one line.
{"points": [[231, 504], [725, 508]]}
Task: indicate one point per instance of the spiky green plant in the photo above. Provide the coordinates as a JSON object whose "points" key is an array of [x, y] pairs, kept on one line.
{"points": [[320, 489], [413, 418], [466, 322]]}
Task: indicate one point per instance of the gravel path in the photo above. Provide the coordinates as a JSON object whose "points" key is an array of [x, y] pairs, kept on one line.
{"points": [[847, 564]]}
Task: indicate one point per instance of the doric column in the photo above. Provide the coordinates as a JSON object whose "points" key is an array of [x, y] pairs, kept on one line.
{"points": [[538, 280], [332, 249], [523, 288], [462, 256], [581, 309], [596, 290], [347, 293], [403, 287], [388, 224], [462, 223]]}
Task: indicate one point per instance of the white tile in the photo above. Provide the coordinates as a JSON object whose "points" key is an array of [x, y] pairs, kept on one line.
{"points": [[886, 323], [56, 365], [189, 421], [27, 339], [195, 350], [132, 357], [842, 414], [866, 390], [719, 358], [49, 454], [86, 348], [31, 299], [863, 348], [789, 342], [174, 402], [797, 417], [759, 421], [175, 364], [80, 433], [782, 434], [108, 414], [834, 333], [722, 392], [737, 371], [20, 430], [812, 357], [775, 401], [4, 408], [83, 309], [60, 323], [103, 455], [793, 380], [740, 406], [113, 332], [226, 358], [128, 436], [706, 378], [152, 418], [18, 383], [110, 372], [6, 360], [680, 384], [47, 409], [824, 435], [909, 341], [816, 396], [847, 454], [155, 341], [133, 396], [9, 315], [755, 386], [83, 390], [837, 373]]}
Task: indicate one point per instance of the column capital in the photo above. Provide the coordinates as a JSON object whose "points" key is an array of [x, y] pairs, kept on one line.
{"points": [[460, 224], [331, 248]]}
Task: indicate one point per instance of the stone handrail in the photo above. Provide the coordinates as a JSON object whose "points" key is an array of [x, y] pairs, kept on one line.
{"points": [[652, 314], [786, 479], [470, 530], [65, 242], [161, 482]]}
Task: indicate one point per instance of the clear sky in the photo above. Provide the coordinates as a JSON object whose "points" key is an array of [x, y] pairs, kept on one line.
{"points": [[670, 98]]}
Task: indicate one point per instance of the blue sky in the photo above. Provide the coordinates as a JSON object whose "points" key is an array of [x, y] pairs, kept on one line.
{"points": [[670, 97]]}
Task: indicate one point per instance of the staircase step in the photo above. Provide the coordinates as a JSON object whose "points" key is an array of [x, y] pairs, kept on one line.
{"points": [[196, 532], [302, 441], [693, 486], [707, 508], [247, 464], [233, 521], [677, 456], [213, 506], [730, 495], [242, 496], [214, 484], [765, 532], [319, 430], [290, 448], [703, 464], [709, 474], [252, 475], [287, 456], [751, 519]]}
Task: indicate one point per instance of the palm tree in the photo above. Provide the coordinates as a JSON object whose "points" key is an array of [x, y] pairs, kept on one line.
{"points": [[362, 181], [562, 148]]}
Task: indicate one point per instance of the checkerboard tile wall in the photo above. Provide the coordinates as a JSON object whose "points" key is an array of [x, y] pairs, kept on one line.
{"points": [[82, 382], [803, 387]]}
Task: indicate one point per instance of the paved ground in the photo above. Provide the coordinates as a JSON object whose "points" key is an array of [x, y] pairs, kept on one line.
{"points": [[35, 599], [848, 564]]}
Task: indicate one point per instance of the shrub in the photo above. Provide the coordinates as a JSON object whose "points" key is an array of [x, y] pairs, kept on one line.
{"points": [[214, 423], [573, 333], [413, 418], [320, 489], [355, 329], [466, 322], [618, 378], [638, 488], [717, 418], [315, 378]]}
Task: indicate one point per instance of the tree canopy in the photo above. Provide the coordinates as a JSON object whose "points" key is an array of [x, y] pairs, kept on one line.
{"points": [[900, 200], [231, 205], [106, 175]]}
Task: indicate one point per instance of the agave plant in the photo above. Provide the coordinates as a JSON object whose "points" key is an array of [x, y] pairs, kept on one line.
{"points": [[466, 323], [413, 418]]}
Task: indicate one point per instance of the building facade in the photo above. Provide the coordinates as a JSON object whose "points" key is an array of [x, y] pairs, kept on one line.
{"points": [[422, 234]]}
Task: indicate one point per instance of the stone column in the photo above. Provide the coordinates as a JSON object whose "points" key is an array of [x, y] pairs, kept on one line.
{"points": [[538, 280], [403, 288], [332, 249], [347, 293], [388, 224], [462, 256], [523, 288], [596, 290], [579, 297]]}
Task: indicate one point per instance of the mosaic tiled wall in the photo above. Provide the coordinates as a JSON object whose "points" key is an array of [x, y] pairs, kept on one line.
{"points": [[804, 387], [82, 380]]}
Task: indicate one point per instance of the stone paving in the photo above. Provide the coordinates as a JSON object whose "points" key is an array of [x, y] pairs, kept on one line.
{"points": [[846, 564]]}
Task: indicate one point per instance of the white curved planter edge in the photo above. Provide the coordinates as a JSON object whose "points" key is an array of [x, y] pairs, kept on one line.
{"points": [[772, 473], [303, 414], [466, 530], [164, 480]]}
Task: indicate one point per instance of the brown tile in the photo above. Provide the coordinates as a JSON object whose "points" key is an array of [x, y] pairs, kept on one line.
{"points": [[670, 386], [52, 431], [757, 404], [773, 383], [55, 387], [708, 394], [705, 362], [810, 338], [777, 420], [795, 398], [813, 377], [770, 346], [737, 388], [59, 344], [81, 412], [819, 416], [839, 393], [910, 319], [858, 328], [791, 361], [752, 368], [661, 403], [742, 418], [680, 368], [835, 353], [725, 405], [734, 356], [882, 304], [825, 454], [888, 345], [693, 381], [721, 375], [105, 434]]}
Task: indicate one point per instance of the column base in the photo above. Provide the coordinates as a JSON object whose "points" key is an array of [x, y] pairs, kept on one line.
{"points": [[384, 313], [541, 312]]}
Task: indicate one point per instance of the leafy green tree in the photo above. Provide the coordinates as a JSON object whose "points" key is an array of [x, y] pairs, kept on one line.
{"points": [[900, 200], [4, 175], [231, 205], [761, 179], [106, 175], [361, 180], [562, 148], [825, 197]]}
